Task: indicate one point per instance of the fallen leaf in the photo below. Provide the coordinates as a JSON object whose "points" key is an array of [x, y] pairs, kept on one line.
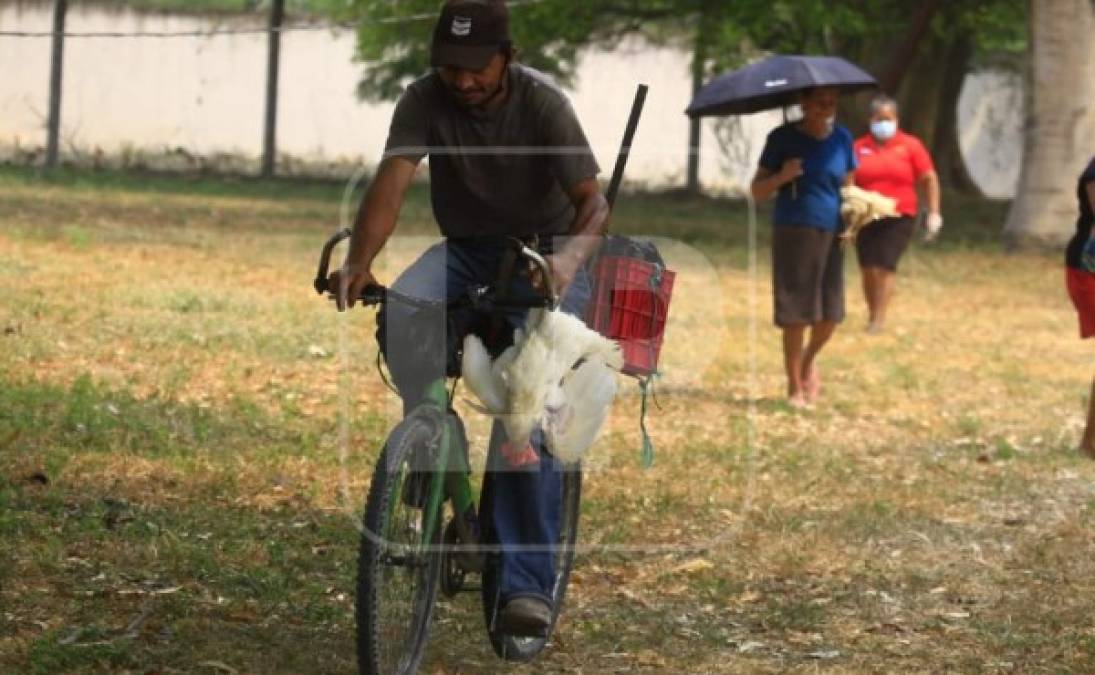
{"points": [[222, 667], [696, 565], [824, 654], [749, 597], [648, 657]]}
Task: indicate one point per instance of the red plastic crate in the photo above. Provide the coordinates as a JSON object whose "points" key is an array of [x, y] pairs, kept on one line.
{"points": [[630, 304]]}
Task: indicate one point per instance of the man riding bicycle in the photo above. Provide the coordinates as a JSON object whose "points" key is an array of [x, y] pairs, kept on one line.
{"points": [[508, 158]]}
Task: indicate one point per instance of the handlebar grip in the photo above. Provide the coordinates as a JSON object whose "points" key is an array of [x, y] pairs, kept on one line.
{"points": [[373, 294]]}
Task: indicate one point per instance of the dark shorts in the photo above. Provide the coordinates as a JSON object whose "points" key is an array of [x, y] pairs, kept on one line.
{"points": [[807, 276], [881, 244], [1081, 289]]}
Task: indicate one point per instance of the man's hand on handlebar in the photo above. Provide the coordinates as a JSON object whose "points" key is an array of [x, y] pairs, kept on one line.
{"points": [[563, 270], [346, 284]]}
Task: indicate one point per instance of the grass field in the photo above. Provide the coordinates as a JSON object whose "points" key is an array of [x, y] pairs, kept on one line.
{"points": [[187, 434]]}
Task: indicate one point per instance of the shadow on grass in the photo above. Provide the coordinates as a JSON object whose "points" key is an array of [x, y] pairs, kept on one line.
{"points": [[132, 538]]}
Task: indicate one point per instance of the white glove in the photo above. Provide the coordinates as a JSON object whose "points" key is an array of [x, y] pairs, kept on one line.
{"points": [[932, 225]]}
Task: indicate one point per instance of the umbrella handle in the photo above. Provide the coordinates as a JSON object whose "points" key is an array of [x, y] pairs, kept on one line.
{"points": [[794, 189]]}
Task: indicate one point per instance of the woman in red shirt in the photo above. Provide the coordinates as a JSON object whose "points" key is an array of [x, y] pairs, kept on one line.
{"points": [[892, 163]]}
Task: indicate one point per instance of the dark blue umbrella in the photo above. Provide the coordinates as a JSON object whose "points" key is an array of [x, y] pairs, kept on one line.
{"points": [[775, 82]]}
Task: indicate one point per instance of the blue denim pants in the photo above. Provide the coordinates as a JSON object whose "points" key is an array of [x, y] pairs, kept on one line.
{"points": [[520, 507]]}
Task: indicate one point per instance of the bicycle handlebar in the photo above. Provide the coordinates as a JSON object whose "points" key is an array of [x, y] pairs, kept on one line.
{"points": [[320, 283], [479, 297]]}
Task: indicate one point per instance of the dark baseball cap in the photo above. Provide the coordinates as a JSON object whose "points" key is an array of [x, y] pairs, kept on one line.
{"points": [[469, 33]]}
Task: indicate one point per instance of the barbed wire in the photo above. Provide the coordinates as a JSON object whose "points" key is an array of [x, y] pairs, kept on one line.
{"points": [[179, 34], [237, 31]]}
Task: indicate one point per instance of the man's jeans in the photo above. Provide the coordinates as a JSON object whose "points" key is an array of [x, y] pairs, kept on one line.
{"points": [[520, 505]]}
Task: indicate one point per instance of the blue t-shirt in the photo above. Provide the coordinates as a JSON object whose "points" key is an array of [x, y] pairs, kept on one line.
{"points": [[815, 201]]}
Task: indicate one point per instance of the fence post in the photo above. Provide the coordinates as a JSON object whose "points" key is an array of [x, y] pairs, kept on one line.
{"points": [[699, 64], [269, 145], [60, 7]]}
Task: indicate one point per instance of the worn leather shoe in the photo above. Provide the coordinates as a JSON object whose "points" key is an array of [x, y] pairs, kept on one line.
{"points": [[525, 616]]}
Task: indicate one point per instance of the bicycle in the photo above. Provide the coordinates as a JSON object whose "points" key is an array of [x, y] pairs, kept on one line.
{"points": [[420, 531]]}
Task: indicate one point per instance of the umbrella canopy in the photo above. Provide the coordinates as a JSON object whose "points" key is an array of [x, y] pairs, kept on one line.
{"points": [[775, 82]]}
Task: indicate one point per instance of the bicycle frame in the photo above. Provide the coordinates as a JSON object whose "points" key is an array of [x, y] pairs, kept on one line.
{"points": [[451, 476]]}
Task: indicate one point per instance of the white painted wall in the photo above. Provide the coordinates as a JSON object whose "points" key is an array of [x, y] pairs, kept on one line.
{"points": [[206, 95]]}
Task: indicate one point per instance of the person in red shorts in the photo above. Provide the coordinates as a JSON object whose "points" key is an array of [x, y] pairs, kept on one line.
{"points": [[892, 163], [1080, 279]]}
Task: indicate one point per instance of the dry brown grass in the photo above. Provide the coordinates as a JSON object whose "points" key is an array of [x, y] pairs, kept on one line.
{"points": [[930, 514]]}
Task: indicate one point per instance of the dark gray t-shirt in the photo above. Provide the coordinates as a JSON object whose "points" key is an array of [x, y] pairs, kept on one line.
{"points": [[506, 172]]}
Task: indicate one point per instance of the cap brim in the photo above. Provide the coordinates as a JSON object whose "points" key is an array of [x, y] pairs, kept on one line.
{"points": [[468, 57]]}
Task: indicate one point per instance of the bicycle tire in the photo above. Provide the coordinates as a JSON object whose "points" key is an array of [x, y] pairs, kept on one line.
{"points": [[523, 649], [389, 640]]}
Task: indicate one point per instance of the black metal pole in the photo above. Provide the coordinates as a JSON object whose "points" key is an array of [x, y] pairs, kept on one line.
{"points": [[269, 142], [625, 146], [699, 63], [60, 7]]}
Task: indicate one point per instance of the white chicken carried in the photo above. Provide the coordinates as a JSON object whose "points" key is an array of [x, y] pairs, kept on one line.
{"points": [[557, 374]]}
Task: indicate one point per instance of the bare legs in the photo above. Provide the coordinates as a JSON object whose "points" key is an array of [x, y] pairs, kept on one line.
{"points": [[803, 378], [792, 363], [1087, 444], [878, 286]]}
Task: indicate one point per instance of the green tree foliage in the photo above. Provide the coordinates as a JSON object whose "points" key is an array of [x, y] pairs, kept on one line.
{"points": [[393, 36], [958, 36]]}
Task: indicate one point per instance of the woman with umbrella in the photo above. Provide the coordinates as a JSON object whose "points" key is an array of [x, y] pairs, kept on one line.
{"points": [[804, 163]]}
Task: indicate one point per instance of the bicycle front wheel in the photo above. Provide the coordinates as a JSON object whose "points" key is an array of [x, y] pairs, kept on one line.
{"points": [[397, 576]]}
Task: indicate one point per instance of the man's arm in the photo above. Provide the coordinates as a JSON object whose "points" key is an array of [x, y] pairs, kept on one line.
{"points": [[374, 224], [584, 235]]}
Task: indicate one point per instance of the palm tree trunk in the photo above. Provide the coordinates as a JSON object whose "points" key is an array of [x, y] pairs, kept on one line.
{"points": [[1060, 120]]}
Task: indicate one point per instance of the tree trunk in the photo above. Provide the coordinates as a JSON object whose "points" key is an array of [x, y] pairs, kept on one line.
{"points": [[1060, 120], [919, 96], [946, 151], [905, 53], [929, 105]]}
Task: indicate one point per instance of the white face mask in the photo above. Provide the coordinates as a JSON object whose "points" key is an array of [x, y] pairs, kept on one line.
{"points": [[884, 130]]}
